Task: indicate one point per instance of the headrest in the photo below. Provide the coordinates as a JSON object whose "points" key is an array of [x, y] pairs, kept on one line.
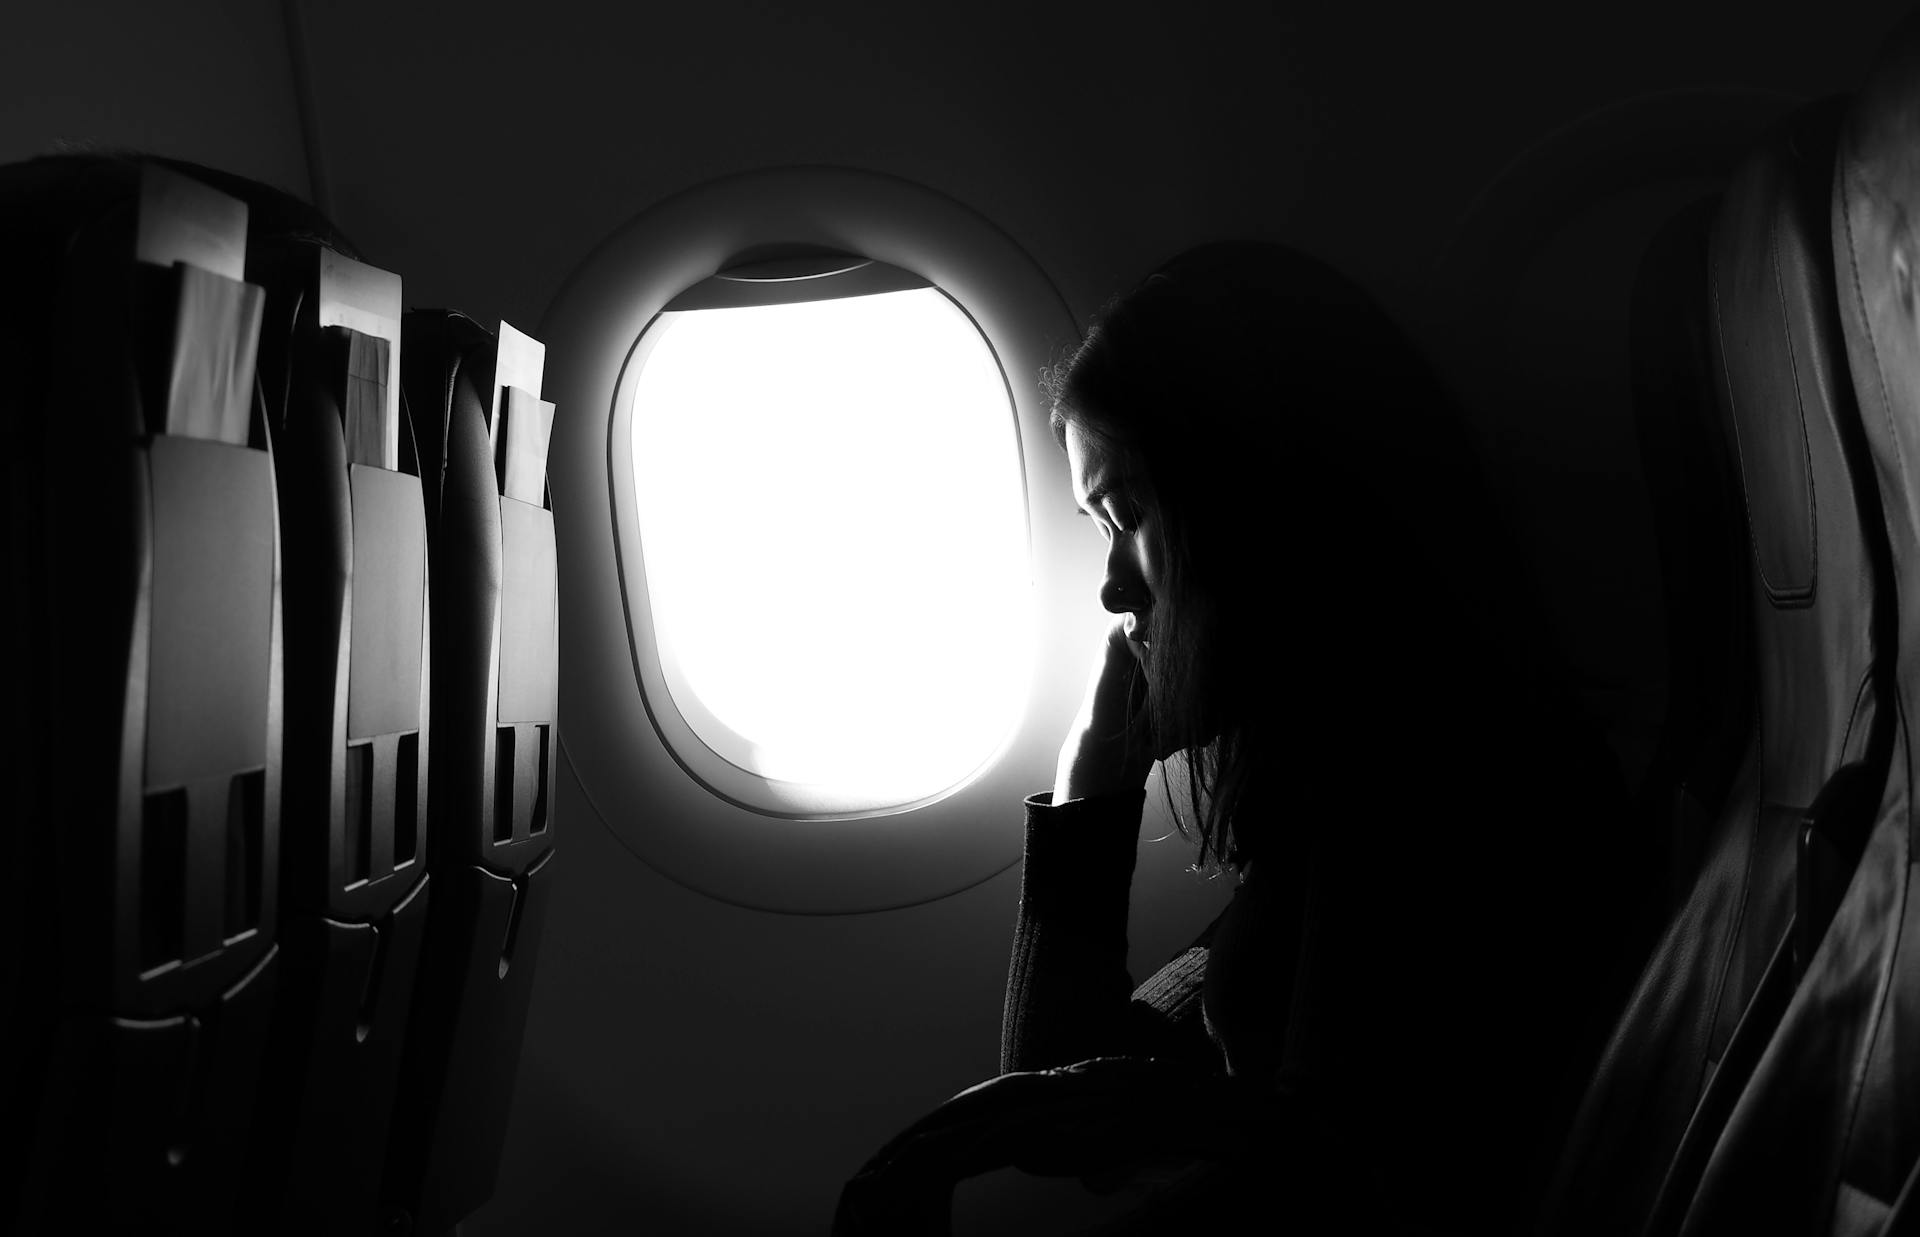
{"points": [[273, 215], [1877, 259], [445, 355], [72, 185], [44, 201], [1785, 387], [446, 372], [43, 204]]}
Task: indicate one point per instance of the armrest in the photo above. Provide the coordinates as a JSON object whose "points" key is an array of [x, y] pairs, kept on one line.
{"points": [[1078, 1120]]}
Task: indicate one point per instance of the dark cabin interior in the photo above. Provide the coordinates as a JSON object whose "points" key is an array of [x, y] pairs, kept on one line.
{"points": [[1505, 180]]}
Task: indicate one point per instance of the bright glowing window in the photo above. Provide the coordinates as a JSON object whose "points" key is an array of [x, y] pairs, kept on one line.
{"points": [[832, 516]]}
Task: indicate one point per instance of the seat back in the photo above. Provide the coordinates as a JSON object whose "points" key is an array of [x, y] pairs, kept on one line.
{"points": [[1827, 1133], [353, 879], [481, 431], [152, 785], [1821, 726]]}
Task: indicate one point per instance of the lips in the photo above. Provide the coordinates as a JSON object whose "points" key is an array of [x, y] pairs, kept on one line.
{"points": [[1136, 629]]}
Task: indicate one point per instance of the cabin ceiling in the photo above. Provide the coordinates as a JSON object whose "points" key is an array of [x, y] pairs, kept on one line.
{"points": [[485, 148], [495, 144]]}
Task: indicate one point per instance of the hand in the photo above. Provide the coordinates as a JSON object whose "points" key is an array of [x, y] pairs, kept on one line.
{"points": [[1107, 749]]}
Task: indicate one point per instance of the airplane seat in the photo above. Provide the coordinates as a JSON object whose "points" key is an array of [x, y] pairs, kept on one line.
{"points": [[1821, 726], [40, 204], [354, 888], [1826, 1137], [482, 432], [145, 564]]}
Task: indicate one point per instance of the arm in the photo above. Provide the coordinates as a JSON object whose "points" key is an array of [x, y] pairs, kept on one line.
{"points": [[1067, 984], [1068, 990]]}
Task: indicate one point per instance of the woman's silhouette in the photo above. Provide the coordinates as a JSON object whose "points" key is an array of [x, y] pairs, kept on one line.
{"points": [[1317, 621]]}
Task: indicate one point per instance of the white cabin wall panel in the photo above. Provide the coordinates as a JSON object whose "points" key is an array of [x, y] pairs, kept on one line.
{"points": [[203, 80]]}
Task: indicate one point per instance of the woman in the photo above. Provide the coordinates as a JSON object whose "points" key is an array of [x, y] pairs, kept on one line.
{"points": [[1313, 609]]}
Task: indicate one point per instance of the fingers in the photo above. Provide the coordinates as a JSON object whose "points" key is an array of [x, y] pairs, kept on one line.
{"points": [[1117, 638], [1106, 749], [1119, 696]]}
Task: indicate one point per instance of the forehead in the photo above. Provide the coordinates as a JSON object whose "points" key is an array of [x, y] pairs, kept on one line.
{"points": [[1092, 464]]}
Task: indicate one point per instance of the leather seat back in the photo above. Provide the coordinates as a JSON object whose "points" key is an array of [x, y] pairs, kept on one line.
{"points": [[1826, 1137], [152, 785], [1821, 727], [481, 430], [353, 877]]}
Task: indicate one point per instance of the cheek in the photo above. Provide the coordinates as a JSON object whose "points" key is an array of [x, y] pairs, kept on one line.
{"points": [[1148, 556], [1150, 571]]}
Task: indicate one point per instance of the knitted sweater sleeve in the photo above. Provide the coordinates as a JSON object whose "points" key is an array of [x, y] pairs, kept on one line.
{"points": [[1069, 995]]}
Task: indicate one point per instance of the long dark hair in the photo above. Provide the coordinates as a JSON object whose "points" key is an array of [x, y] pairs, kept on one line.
{"points": [[1317, 502]]}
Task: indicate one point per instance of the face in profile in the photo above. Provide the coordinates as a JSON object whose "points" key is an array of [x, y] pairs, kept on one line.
{"points": [[1117, 504]]}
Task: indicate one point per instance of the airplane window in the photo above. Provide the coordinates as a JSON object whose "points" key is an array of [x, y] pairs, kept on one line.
{"points": [[823, 615], [832, 520]]}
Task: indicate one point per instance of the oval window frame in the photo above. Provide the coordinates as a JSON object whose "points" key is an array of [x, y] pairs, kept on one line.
{"points": [[592, 329], [689, 730]]}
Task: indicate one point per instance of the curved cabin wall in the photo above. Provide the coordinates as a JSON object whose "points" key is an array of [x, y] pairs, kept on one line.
{"points": [[692, 1066]]}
